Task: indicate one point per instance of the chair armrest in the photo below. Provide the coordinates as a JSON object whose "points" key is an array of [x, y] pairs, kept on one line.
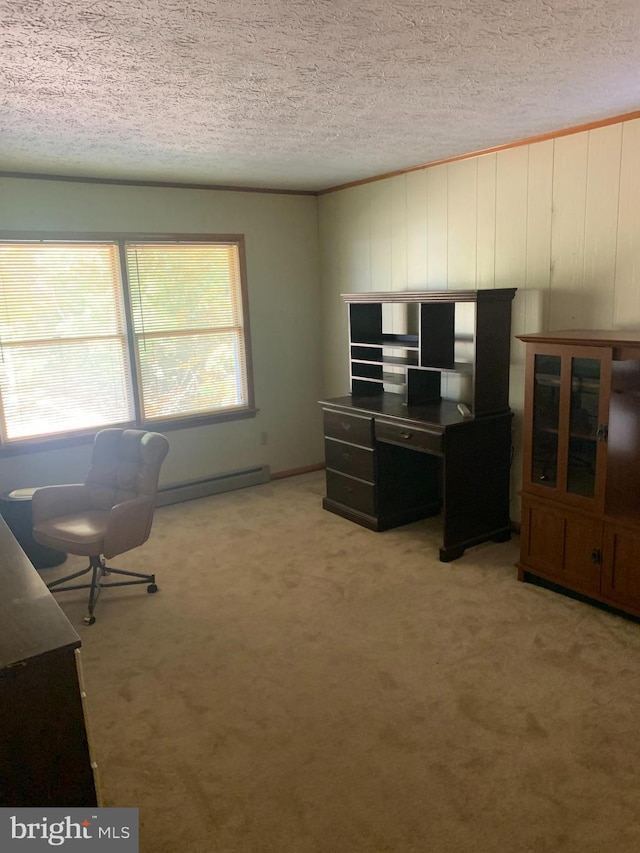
{"points": [[129, 525], [53, 501]]}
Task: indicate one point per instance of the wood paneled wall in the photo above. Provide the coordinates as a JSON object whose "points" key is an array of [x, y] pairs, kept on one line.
{"points": [[558, 219]]}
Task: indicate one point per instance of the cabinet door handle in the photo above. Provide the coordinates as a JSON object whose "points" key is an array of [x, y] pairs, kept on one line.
{"points": [[406, 435], [596, 556]]}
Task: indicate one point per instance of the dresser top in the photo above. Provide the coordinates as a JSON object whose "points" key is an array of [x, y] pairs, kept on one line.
{"points": [[586, 337], [437, 416], [31, 621]]}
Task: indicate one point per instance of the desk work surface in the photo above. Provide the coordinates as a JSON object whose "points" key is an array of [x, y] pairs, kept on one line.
{"points": [[32, 622], [434, 415]]}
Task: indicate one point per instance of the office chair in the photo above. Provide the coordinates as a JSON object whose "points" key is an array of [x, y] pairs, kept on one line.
{"points": [[109, 514]]}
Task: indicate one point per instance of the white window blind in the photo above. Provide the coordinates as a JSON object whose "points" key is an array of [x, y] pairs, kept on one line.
{"points": [[64, 364], [186, 303]]}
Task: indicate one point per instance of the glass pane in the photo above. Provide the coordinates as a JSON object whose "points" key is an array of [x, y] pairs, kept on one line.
{"points": [[186, 303], [64, 364], [54, 388], [583, 423], [184, 287], [59, 291], [546, 408], [192, 374]]}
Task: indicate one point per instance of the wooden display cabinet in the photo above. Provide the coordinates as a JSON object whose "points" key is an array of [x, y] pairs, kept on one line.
{"points": [[580, 526]]}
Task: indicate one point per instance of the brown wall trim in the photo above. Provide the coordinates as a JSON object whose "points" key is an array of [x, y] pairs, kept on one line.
{"points": [[530, 140], [109, 236], [175, 185], [293, 472]]}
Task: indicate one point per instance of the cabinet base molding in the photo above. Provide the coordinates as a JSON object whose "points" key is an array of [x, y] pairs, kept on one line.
{"points": [[526, 576]]}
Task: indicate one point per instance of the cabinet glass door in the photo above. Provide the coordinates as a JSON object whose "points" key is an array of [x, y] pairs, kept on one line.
{"points": [[583, 425], [546, 420], [566, 414]]}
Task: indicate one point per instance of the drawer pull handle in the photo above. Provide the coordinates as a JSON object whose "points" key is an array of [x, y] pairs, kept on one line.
{"points": [[346, 426], [406, 434], [346, 456]]}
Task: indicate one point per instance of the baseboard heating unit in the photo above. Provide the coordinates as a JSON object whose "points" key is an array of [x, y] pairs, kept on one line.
{"points": [[173, 494]]}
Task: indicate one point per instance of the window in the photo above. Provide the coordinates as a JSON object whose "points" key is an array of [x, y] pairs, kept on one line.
{"points": [[124, 331]]}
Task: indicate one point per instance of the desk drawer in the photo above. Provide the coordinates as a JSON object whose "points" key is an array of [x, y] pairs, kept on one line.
{"points": [[351, 428], [418, 439], [351, 492], [349, 459]]}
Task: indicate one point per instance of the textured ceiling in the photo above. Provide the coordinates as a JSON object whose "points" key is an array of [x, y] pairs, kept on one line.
{"points": [[299, 94]]}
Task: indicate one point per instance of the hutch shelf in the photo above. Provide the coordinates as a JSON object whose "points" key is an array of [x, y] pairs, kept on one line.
{"points": [[580, 527]]}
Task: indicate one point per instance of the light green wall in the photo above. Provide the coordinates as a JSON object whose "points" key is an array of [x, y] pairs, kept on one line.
{"points": [[557, 219], [281, 242]]}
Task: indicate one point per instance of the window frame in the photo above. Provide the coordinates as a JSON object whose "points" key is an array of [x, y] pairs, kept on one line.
{"points": [[121, 238]]}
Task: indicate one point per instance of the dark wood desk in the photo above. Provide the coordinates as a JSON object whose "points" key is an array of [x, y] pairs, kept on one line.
{"points": [[44, 751], [389, 464]]}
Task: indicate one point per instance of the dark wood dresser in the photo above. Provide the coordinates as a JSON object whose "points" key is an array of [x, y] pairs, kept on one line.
{"points": [[44, 747]]}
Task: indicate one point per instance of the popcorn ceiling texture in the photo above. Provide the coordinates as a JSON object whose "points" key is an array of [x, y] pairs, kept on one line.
{"points": [[303, 94]]}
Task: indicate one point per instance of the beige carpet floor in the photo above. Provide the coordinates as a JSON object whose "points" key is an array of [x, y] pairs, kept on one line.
{"points": [[302, 685]]}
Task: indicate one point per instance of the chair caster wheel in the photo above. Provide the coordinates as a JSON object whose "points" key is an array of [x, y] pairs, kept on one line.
{"points": [[152, 588], [89, 620]]}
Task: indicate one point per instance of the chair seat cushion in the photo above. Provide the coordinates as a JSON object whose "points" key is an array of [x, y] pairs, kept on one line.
{"points": [[80, 533]]}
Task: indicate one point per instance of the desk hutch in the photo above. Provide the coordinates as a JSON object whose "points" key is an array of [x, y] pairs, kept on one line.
{"points": [[398, 448], [580, 527]]}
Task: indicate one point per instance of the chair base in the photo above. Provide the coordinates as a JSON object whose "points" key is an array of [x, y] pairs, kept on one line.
{"points": [[99, 570]]}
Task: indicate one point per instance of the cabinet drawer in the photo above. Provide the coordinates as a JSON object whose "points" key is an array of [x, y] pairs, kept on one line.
{"points": [[351, 492], [418, 439], [349, 459], [352, 428]]}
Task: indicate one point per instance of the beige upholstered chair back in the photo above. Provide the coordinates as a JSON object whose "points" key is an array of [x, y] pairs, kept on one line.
{"points": [[108, 514], [125, 464]]}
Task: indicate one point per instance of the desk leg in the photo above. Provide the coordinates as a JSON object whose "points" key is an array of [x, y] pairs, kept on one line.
{"points": [[451, 553], [476, 485]]}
